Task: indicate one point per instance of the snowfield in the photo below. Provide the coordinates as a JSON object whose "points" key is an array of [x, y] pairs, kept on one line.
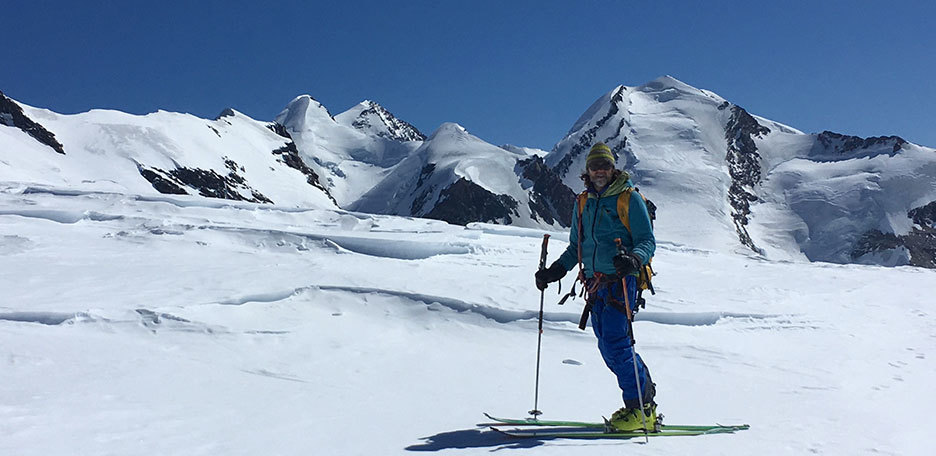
{"points": [[176, 325]]}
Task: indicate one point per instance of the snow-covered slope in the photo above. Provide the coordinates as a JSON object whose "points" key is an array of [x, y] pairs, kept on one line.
{"points": [[182, 325], [852, 199], [232, 157], [352, 154], [457, 177], [671, 137], [727, 180]]}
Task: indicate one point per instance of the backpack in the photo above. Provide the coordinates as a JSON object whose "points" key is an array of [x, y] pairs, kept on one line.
{"points": [[644, 280]]}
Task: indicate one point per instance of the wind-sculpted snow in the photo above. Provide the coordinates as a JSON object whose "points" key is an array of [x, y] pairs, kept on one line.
{"points": [[504, 316], [61, 216], [435, 302], [512, 231], [42, 318], [139, 318]]}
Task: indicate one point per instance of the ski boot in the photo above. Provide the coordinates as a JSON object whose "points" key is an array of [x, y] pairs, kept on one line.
{"points": [[630, 420]]}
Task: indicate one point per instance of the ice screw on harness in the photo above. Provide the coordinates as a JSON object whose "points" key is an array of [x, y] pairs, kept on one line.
{"points": [[539, 340]]}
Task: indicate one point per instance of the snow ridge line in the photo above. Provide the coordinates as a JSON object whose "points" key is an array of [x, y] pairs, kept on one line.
{"points": [[505, 316], [181, 202], [398, 249], [499, 315], [146, 318], [64, 217]]}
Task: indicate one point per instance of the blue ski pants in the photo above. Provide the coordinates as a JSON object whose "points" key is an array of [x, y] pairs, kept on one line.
{"points": [[614, 341]]}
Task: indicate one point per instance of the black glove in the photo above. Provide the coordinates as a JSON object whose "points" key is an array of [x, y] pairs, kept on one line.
{"points": [[548, 275], [626, 264]]}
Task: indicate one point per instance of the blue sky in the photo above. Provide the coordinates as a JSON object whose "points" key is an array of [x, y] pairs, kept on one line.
{"points": [[513, 72]]}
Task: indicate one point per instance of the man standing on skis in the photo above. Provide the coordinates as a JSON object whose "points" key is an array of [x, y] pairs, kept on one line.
{"points": [[605, 269]]}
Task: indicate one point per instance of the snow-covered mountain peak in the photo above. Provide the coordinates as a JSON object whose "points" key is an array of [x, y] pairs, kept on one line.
{"points": [[655, 96], [302, 113], [458, 177], [372, 118], [231, 112], [599, 108], [449, 129], [667, 82]]}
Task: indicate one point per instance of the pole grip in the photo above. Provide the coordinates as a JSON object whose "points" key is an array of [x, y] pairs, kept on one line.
{"points": [[542, 261], [627, 305]]}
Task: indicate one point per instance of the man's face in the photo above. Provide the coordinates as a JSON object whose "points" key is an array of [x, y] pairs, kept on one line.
{"points": [[599, 171]]}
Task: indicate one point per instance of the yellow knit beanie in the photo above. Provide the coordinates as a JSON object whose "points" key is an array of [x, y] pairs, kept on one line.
{"points": [[599, 150]]}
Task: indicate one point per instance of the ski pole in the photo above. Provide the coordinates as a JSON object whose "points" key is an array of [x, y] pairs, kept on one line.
{"points": [[539, 340], [630, 329]]}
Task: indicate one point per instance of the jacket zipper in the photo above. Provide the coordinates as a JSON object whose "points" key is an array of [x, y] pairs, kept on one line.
{"points": [[595, 241]]}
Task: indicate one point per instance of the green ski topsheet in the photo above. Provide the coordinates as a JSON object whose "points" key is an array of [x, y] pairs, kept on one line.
{"points": [[590, 433], [584, 429]]}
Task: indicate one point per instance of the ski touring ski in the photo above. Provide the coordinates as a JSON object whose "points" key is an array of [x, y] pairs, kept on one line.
{"points": [[529, 427]]}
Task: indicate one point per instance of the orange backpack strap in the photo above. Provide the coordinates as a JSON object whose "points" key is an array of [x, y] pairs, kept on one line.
{"points": [[582, 199], [623, 207]]}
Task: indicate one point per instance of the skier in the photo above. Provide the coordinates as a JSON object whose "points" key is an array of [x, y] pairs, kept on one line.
{"points": [[603, 265]]}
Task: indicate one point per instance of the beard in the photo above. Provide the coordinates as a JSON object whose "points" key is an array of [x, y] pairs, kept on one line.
{"points": [[599, 182]]}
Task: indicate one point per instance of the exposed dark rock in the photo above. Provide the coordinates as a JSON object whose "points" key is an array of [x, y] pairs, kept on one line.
{"points": [[920, 242], [550, 199], [399, 130], [289, 155], [873, 241], [213, 185], [214, 130], [588, 138], [12, 115], [332, 167], [922, 247], [843, 146], [744, 168], [924, 216], [232, 166], [208, 183], [280, 130], [724, 106], [228, 112], [421, 200], [425, 173], [464, 202], [161, 182]]}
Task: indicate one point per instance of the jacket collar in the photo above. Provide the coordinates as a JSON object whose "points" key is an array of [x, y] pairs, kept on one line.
{"points": [[614, 188]]}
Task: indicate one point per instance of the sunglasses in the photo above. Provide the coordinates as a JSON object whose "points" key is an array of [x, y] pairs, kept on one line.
{"points": [[596, 165]]}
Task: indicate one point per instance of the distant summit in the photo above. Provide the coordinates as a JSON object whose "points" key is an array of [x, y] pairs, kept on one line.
{"points": [[731, 179], [370, 117], [303, 113]]}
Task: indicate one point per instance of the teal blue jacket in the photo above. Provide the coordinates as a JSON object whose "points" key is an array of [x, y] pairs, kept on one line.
{"points": [[601, 226]]}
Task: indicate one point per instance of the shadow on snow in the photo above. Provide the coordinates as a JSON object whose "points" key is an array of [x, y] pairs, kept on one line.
{"points": [[472, 438]]}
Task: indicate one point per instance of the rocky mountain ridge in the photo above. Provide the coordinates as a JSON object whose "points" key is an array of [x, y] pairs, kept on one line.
{"points": [[723, 178]]}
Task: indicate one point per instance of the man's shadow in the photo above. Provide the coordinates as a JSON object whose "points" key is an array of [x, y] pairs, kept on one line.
{"points": [[473, 438]]}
